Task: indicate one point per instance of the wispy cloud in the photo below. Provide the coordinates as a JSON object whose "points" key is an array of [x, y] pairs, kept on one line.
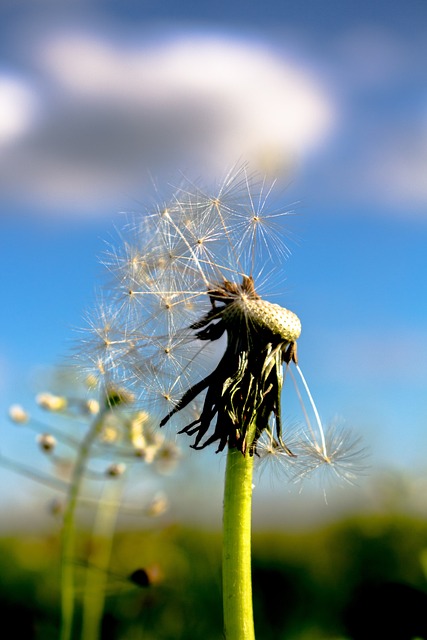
{"points": [[110, 112], [87, 113], [17, 109], [380, 157]]}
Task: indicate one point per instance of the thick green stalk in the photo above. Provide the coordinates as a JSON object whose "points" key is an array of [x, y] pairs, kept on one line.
{"points": [[236, 558]]}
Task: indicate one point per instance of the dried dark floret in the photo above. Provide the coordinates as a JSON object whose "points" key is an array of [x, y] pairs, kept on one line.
{"points": [[243, 392]]}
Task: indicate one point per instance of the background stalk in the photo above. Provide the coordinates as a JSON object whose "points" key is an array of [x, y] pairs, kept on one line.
{"points": [[236, 558], [68, 531], [99, 559]]}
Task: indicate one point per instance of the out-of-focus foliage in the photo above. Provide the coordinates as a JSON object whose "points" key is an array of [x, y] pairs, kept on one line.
{"points": [[307, 585]]}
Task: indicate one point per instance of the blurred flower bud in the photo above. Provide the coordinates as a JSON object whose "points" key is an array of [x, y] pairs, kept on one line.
{"points": [[116, 396], [136, 429], [47, 442], [115, 470], [91, 406], [167, 457], [50, 402], [158, 505], [18, 414], [111, 429], [56, 507]]}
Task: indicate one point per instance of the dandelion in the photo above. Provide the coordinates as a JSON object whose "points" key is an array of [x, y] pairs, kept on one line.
{"points": [[113, 427], [185, 286], [186, 326]]}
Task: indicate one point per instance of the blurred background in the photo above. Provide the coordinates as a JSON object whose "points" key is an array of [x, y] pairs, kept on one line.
{"points": [[330, 99]]}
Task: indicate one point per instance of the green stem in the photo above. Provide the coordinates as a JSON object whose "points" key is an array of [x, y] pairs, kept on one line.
{"points": [[99, 560], [68, 531], [236, 558]]}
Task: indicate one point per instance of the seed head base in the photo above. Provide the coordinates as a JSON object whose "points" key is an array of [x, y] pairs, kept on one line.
{"points": [[243, 393]]}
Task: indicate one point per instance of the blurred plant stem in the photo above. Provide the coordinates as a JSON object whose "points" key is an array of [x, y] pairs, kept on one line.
{"points": [[99, 560], [236, 554], [69, 530]]}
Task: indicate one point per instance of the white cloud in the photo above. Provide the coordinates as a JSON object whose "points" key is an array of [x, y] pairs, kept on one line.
{"points": [[265, 98], [113, 112], [389, 171], [380, 159], [17, 108]]}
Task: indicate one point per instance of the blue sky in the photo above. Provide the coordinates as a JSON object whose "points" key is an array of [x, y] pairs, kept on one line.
{"points": [[330, 97]]}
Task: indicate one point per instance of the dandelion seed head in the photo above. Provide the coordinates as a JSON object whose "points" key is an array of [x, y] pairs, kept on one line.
{"points": [[184, 281], [186, 328]]}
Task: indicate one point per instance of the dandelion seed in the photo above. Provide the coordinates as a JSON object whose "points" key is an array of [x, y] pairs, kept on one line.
{"points": [[279, 458], [340, 457], [106, 346], [186, 322]]}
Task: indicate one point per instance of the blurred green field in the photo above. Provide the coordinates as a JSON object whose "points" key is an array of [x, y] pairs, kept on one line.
{"points": [[304, 583]]}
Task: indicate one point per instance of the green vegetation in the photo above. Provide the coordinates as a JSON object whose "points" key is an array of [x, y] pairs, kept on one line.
{"points": [[303, 582]]}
